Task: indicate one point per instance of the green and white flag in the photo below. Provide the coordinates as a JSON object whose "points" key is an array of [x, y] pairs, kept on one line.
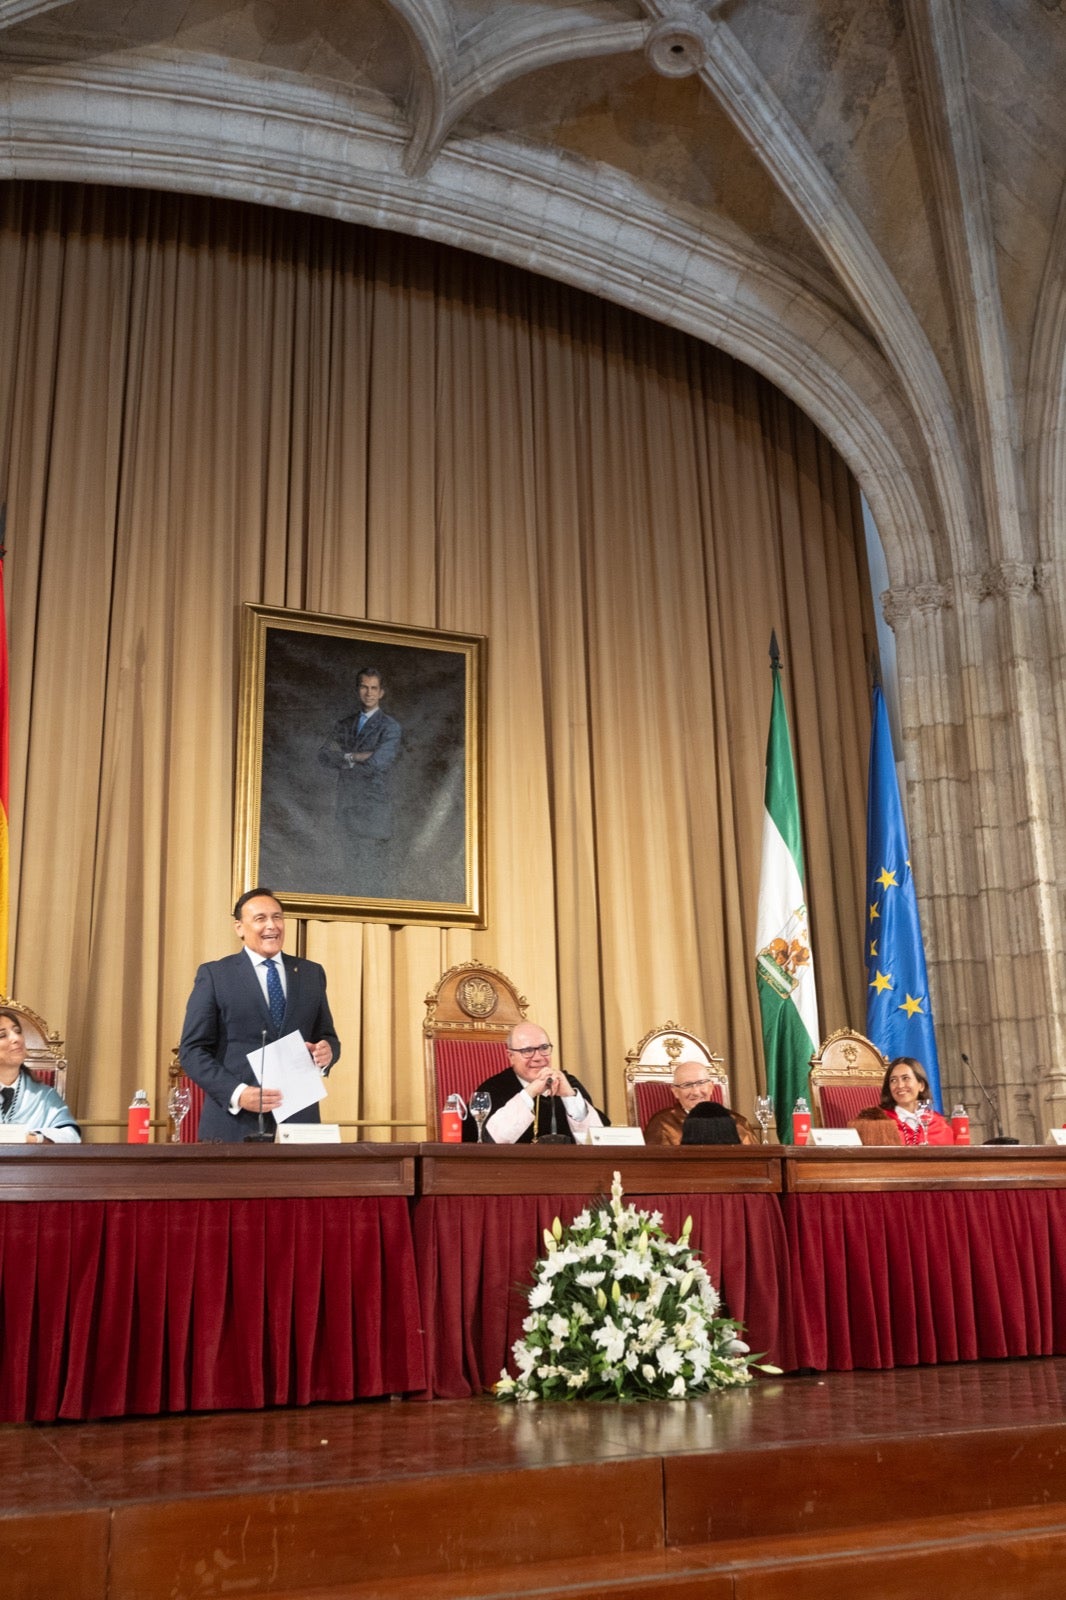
{"points": [[783, 965]]}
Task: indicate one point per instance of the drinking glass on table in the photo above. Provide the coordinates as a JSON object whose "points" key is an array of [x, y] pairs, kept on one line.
{"points": [[764, 1114], [480, 1107], [179, 1100]]}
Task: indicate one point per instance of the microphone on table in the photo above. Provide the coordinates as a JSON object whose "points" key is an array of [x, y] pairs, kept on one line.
{"points": [[262, 1137], [992, 1103]]}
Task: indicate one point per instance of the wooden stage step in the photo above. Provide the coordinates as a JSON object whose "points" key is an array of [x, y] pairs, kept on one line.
{"points": [[1009, 1555], [886, 1485]]}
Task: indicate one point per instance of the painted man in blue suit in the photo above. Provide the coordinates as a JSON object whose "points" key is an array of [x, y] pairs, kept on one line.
{"points": [[362, 749], [230, 1014]]}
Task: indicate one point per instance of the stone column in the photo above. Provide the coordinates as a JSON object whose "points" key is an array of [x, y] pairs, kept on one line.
{"points": [[981, 753]]}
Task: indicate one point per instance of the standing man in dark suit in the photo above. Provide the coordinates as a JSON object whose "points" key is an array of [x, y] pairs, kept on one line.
{"points": [[239, 1004], [362, 749]]}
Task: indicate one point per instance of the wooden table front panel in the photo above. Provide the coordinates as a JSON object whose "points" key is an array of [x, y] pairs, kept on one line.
{"points": [[838, 1171], [568, 1169], [204, 1171]]}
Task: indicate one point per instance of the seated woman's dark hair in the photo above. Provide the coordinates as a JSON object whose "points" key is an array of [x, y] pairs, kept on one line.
{"points": [[916, 1067], [709, 1123]]}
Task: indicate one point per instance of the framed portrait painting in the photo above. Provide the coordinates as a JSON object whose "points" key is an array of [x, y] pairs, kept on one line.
{"points": [[360, 773]]}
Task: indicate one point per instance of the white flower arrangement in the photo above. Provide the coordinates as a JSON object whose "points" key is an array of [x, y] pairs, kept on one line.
{"points": [[618, 1311]]}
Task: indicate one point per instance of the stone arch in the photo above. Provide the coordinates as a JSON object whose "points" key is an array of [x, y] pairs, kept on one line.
{"points": [[212, 130]]}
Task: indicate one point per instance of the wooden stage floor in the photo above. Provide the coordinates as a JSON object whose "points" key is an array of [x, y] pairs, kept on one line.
{"points": [[884, 1484]]}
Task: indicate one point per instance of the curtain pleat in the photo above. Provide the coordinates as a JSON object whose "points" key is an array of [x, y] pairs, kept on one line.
{"points": [[204, 404]]}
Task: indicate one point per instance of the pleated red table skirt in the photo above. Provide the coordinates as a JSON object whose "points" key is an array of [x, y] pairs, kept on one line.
{"points": [[116, 1308], [913, 1277]]}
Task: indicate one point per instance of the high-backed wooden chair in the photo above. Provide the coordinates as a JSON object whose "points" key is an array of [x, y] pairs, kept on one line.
{"points": [[45, 1059], [845, 1077], [468, 1017], [650, 1071]]}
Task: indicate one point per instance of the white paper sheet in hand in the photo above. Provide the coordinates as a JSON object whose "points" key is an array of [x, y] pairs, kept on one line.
{"points": [[286, 1065]]}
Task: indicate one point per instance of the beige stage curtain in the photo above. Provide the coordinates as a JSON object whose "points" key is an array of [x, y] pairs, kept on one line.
{"points": [[203, 404]]}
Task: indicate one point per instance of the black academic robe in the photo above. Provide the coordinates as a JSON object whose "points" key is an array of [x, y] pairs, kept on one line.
{"points": [[503, 1086]]}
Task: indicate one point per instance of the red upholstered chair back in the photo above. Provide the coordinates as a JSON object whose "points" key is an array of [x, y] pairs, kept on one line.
{"points": [[845, 1077], [45, 1060], [654, 1094], [842, 1102], [650, 1070], [468, 1017], [464, 1063]]}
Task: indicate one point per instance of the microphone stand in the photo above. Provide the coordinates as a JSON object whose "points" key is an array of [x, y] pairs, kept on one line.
{"points": [[992, 1102], [554, 1137], [262, 1137]]}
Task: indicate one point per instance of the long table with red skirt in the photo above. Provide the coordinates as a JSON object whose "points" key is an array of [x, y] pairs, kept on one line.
{"points": [[139, 1280], [147, 1279]]}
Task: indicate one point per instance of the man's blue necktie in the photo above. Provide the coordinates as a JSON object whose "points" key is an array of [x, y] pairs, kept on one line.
{"points": [[275, 994]]}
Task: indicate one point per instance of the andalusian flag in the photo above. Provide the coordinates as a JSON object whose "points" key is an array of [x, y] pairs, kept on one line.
{"points": [[783, 965], [3, 765], [899, 1018]]}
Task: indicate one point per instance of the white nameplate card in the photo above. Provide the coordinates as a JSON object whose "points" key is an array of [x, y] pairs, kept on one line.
{"points": [[616, 1136], [835, 1136], [308, 1133], [13, 1132], [1056, 1136]]}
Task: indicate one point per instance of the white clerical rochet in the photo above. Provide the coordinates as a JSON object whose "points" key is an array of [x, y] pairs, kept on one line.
{"points": [[286, 1064]]}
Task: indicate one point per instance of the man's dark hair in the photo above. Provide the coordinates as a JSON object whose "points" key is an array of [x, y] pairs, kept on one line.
{"points": [[252, 894], [370, 672]]}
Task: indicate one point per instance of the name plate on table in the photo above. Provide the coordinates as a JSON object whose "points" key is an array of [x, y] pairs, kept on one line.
{"points": [[308, 1133], [1056, 1136], [13, 1133], [616, 1136], [835, 1136]]}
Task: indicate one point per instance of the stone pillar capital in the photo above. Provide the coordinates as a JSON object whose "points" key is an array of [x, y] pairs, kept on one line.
{"points": [[900, 605]]}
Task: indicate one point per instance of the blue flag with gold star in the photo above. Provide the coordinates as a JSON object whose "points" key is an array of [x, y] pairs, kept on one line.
{"points": [[899, 1017]]}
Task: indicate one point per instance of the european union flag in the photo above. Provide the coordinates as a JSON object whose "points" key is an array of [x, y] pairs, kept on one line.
{"points": [[899, 1017]]}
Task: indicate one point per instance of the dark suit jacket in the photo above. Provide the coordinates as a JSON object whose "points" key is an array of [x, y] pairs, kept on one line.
{"points": [[224, 1020], [364, 799]]}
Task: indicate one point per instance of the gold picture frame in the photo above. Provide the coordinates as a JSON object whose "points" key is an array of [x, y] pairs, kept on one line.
{"points": [[390, 834]]}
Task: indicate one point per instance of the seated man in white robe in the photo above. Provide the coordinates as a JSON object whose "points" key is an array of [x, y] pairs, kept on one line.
{"points": [[533, 1101], [25, 1103]]}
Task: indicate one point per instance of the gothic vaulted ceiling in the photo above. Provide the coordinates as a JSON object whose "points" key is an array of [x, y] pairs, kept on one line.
{"points": [[862, 198]]}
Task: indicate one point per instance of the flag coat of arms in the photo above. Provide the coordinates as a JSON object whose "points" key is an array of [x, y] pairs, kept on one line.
{"points": [[784, 968], [899, 1017]]}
